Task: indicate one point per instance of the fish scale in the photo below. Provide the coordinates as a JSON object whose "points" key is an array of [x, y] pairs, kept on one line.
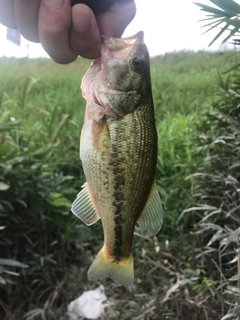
{"points": [[119, 155], [138, 175]]}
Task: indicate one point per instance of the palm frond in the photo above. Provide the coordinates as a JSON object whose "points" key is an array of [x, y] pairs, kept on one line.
{"points": [[227, 13]]}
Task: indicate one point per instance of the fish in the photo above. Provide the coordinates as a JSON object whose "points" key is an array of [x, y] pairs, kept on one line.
{"points": [[118, 150]]}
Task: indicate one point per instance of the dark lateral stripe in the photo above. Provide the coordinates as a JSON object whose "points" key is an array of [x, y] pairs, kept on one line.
{"points": [[118, 166], [118, 242]]}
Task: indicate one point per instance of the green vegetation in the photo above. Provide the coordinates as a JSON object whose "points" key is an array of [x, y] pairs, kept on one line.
{"points": [[225, 17], [45, 251]]}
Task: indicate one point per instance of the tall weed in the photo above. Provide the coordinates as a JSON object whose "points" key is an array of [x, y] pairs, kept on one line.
{"points": [[216, 203], [36, 191]]}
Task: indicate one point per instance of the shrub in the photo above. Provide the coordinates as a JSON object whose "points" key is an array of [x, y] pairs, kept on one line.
{"points": [[216, 203]]}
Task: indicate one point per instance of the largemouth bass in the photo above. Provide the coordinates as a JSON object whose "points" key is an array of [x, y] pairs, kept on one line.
{"points": [[118, 150]]}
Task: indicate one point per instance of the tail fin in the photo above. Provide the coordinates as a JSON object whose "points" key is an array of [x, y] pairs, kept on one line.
{"points": [[119, 271]]}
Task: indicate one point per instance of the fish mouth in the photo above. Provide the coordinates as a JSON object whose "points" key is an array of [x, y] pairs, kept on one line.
{"points": [[129, 41], [120, 47]]}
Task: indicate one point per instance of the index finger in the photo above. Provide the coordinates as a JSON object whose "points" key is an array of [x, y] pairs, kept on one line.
{"points": [[54, 28]]}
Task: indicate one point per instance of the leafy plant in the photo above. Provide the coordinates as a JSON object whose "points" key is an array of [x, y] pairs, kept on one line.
{"points": [[35, 197], [216, 194], [225, 16], [9, 263]]}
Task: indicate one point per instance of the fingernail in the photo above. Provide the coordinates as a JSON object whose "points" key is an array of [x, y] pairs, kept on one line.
{"points": [[54, 4]]}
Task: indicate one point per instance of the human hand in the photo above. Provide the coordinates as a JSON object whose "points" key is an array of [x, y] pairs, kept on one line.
{"points": [[66, 31]]}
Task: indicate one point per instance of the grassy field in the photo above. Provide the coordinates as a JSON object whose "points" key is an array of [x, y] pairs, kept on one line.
{"points": [[41, 115]]}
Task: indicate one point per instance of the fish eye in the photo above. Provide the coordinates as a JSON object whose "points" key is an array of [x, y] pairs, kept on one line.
{"points": [[137, 63]]}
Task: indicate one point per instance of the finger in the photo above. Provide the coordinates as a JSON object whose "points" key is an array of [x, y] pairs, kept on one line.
{"points": [[98, 6], [113, 22], [7, 14], [26, 14], [54, 25], [85, 38]]}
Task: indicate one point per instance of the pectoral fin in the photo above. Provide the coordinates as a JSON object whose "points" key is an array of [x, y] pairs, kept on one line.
{"points": [[151, 218], [83, 207]]}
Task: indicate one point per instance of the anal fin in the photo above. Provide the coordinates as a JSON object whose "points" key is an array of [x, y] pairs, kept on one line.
{"points": [[83, 207], [151, 218]]}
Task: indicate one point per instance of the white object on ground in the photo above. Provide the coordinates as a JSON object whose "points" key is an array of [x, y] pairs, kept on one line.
{"points": [[89, 305]]}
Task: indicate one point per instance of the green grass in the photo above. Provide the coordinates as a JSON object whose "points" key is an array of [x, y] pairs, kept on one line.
{"points": [[184, 86], [184, 81]]}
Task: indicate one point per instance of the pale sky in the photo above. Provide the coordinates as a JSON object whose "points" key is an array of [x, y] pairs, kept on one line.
{"points": [[168, 25]]}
